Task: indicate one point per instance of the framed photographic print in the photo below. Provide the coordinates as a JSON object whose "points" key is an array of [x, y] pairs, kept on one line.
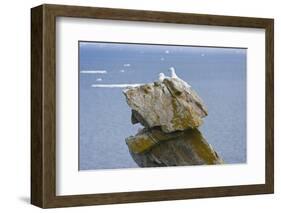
{"points": [[136, 106]]}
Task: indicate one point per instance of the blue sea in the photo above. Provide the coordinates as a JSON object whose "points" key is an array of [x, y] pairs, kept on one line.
{"points": [[218, 75]]}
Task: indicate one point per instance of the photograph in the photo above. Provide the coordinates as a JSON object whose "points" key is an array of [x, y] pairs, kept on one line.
{"points": [[169, 105], [158, 105]]}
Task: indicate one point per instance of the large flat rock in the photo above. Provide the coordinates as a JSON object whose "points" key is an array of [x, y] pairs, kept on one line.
{"points": [[169, 104], [154, 148]]}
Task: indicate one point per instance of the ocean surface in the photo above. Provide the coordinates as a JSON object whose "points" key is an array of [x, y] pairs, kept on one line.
{"points": [[218, 75]]}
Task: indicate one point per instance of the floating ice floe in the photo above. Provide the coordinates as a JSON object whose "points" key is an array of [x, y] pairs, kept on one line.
{"points": [[93, 71], [167, 51], [115, 85], [127, 65], [99, 79], [122, 70]]}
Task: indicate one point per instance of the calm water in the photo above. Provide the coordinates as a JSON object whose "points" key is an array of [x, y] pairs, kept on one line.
{"points": [[217, 74]]}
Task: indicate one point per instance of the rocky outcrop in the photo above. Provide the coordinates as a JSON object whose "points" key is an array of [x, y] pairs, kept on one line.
{"points": [[180, 148], [168, 104], [170, 111]]}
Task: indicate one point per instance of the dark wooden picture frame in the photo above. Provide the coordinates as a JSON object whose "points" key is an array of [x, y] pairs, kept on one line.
{"points": [[43, 105]]}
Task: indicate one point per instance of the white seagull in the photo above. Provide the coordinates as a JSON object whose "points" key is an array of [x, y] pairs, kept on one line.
{"points": [[161, 76], [174, 75], [173, 72]]}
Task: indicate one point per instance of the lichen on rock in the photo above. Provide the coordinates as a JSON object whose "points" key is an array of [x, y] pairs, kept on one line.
{"points": [[168, 104], [180, 148]]}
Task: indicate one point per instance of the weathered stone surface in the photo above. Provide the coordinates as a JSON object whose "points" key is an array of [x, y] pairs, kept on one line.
{"points": [[176, 149], [169, 104], [146, 139], [170, 111]]}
